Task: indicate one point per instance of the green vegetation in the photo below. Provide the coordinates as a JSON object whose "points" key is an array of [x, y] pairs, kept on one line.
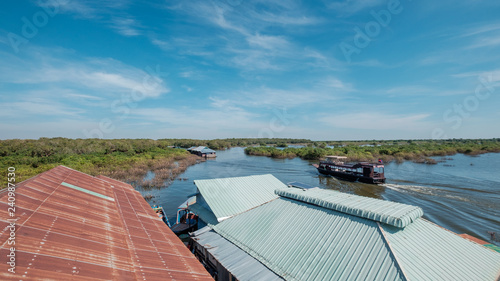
{"points": [[125, 160], [130, 160], [415, 150], [282, 144], [227, 143]]}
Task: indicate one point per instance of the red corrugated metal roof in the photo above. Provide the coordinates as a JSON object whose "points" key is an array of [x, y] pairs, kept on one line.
{"points": [[472, 238], [90, 229]]}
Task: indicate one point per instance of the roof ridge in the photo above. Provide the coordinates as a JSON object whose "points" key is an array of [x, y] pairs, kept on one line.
{"points": [[250, 176], [349, 204]]}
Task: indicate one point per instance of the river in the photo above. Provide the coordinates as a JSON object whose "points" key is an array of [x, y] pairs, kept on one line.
{"points": [[461, 193]]}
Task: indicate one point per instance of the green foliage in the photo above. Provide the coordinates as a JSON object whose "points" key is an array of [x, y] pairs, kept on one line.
{"points": [[218, 144], [91, 156], [119, 158], [416, 150]]}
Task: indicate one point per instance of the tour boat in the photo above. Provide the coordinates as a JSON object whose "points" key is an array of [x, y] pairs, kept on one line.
{"points": [[362, 171]]}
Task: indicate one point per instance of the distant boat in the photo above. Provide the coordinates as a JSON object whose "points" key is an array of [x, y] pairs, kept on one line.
{"points": [[202, 151], [362, 171]]}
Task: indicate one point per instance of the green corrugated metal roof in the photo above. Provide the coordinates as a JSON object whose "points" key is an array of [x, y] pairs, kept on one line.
{"points": [[300, 241], [388, 212], [314, 236], [493, 247], [241, 265], [230, 196], [430, 252]]}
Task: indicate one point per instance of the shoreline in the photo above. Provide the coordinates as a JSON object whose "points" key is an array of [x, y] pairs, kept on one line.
{"points": [[355, 154]]}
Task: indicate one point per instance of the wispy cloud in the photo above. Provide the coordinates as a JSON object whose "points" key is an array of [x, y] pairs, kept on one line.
{"points": [[112, 13], [485, 42], [212, 119], [325, 90], [485, 28], [349, 7], [103, 76], [291, 19], [38, 107], [335, 84], [377, 121], [164, 45], [246, 39], [125, 26], [268, 42], [85, 8], [65, 126], [83, 97]]}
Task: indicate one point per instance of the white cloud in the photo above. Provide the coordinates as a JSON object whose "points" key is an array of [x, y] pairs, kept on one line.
{"points": [[84, 8], [162, 44], [349, 7], [485, 42], [377, 121], [110, 12], [195, 119], [105, 77], [481, 29], [245, 37], [125, 26], [409, 90], [268, 42], [38, 107], [336, 85], [85, 97], [65, 126]]}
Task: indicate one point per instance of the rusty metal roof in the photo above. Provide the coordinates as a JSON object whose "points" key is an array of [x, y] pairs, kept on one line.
{"points": [[72, 226]]}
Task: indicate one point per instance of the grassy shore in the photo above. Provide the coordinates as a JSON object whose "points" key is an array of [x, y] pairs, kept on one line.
{"points": [[130, 160], [418, 151], [125, 160]]}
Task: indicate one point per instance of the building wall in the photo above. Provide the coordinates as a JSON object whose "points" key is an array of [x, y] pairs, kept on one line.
{"points": [[214, 268]]}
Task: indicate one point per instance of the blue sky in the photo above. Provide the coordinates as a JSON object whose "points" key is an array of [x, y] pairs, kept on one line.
{"points": [[323, 70]]}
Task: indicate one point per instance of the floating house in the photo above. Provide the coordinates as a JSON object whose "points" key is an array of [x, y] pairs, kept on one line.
{"points": [[223, 198], [202, 151], [73, 226], [318, 234]]}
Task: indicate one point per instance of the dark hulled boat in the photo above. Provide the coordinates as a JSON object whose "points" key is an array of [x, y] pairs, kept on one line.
{"points": [[362, 171]]}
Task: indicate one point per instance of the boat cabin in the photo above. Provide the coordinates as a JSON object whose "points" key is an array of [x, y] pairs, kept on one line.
{"points": [[186, 220], [339, 160], [362, 171]]}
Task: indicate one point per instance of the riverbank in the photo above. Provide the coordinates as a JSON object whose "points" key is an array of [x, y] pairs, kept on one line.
{"points": [[124, 160], [130, 160], [460, 194], [399, 151]]}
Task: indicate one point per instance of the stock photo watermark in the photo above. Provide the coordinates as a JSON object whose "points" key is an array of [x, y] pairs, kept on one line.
{"points": [[32, 25], [122, 106], [363, 37], [11, 212], [459, 112], [277, 124]]}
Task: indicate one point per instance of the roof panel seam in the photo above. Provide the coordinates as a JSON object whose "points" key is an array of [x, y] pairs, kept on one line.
{"points": [[392, 252]]}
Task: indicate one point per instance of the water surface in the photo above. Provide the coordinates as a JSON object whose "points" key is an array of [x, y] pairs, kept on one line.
{"points": [[461, 194]]}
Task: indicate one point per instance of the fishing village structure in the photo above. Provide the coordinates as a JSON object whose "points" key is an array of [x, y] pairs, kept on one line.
{"points": [[318, 234], [73, 226], [202, 151]]}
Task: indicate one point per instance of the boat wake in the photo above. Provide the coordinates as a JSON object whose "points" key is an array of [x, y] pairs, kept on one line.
{"points": [[426, 190]]}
